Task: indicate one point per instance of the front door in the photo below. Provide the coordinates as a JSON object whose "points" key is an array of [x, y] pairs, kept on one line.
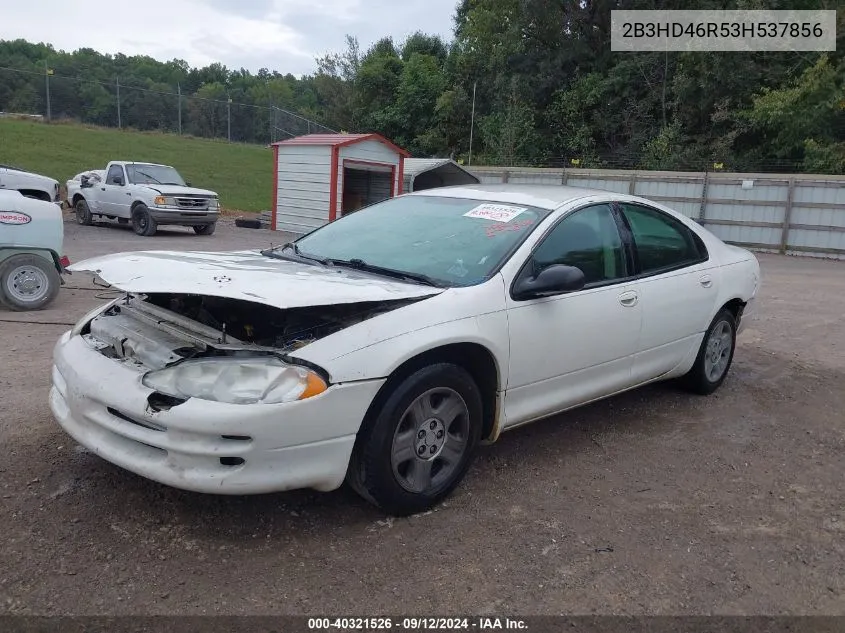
{"points": [[114, 196], [572, 348]]}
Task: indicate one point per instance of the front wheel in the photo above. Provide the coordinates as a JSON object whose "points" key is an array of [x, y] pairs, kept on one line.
{"points": [[420, 443], [205, 229], [28, 282], [714, 356], [142, 221], [83, 213]]}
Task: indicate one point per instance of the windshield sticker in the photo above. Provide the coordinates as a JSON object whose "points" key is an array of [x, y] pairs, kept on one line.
{"points": [[493, 230], [497, 212]]}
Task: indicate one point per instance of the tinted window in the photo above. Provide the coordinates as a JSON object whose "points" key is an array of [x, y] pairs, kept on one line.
{"points": [[588, 239], [115, 171], [456, 241], [661, 241]]}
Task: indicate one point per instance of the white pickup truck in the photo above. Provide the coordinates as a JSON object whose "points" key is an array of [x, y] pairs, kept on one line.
{"points": [[146, 194], [29, 184]]}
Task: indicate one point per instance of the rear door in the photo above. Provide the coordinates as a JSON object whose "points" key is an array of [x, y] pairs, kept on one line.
{"points": [[676, 282]]}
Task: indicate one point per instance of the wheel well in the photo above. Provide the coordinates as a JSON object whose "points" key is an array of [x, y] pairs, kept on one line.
{"points": [[474, 358], [135, 205], [34, 193], [735, 307], [76, 198]]}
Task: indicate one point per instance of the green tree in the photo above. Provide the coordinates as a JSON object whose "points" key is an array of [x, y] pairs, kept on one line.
{"points": [[807, 110]]}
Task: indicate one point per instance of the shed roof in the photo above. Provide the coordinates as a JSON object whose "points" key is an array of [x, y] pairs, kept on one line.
{"points": [[341, 140], [416, 166]]}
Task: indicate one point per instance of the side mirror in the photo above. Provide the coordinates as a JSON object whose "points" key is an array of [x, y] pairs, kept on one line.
{"points": [[117, 180], [188, 184], [84, 183], [552, 280]]}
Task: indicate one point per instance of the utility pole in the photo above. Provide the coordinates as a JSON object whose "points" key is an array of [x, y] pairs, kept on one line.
{"points": [[179, 92], [271, 120], [47, 72], [117, 83], [229, 119], [472, 123]]}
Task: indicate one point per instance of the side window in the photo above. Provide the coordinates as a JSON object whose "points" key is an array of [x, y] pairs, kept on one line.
{"points": [[588, 239], [115, 171], [662, 242]]}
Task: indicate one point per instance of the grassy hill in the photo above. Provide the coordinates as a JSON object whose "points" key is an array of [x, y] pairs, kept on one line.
{"points": [[241, 174]]}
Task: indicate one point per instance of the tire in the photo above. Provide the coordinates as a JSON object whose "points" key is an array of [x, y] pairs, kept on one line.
{"points": [[247, 223], [83, 213], [441, 402], [714, 356], [28, 282], [142, 222], [205, 229]]}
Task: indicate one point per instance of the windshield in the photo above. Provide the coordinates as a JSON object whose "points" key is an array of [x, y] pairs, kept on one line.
{"points": [[143, 174], [456, 242]]}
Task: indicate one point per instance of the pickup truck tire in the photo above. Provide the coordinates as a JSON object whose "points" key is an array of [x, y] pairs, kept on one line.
{"points": [[28, 282], [142, 221], [83, 213], [205, 229]]}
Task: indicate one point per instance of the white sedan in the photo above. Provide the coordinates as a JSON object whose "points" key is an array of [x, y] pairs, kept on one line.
{"points": [[383, 348]]}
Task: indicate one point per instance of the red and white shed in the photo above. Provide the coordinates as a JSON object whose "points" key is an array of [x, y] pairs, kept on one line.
{"points": [[317, 178]]}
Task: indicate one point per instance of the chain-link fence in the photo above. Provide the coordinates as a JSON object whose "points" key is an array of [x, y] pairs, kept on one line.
{"points": [[160, 107], [214, 112]]}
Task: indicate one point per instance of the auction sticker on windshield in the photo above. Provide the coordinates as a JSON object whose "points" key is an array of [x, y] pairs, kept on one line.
{"points": [[497, 212]]}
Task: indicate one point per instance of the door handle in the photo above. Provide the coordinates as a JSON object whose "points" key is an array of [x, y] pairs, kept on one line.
{"points": [[629, 299], [102, 188], [706, 281]]}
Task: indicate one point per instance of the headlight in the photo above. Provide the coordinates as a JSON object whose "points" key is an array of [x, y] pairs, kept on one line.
{"points": [[237, 380], [80, 325], [214, 204], [164, 201]]}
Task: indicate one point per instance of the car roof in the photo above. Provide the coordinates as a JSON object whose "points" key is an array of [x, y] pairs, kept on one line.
{"points": [[541, 196]]}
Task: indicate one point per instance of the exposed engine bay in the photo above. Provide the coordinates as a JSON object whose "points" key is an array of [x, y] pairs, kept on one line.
{"points": [[156, 330]]}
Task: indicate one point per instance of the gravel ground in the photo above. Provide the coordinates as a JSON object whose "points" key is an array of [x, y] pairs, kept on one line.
{"points": [[654, 502]]}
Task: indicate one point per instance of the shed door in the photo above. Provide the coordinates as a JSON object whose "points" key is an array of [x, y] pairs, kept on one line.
{"points": [[363, 186]]}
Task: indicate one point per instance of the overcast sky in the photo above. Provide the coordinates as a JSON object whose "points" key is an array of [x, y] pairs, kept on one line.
{"points": [[283, 35]]}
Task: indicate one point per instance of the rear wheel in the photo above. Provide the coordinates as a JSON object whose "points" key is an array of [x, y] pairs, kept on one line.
{"points": [[205, 229], [714, 356], [420, 443], [142, 221], [28, 282], [83, 213]]}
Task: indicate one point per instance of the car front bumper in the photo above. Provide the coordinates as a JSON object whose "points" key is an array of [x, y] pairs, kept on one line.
{"points": [[164, 216], [200, 445]]}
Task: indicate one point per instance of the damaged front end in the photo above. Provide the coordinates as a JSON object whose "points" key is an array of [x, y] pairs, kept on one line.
{"points": [[220, 349]]}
